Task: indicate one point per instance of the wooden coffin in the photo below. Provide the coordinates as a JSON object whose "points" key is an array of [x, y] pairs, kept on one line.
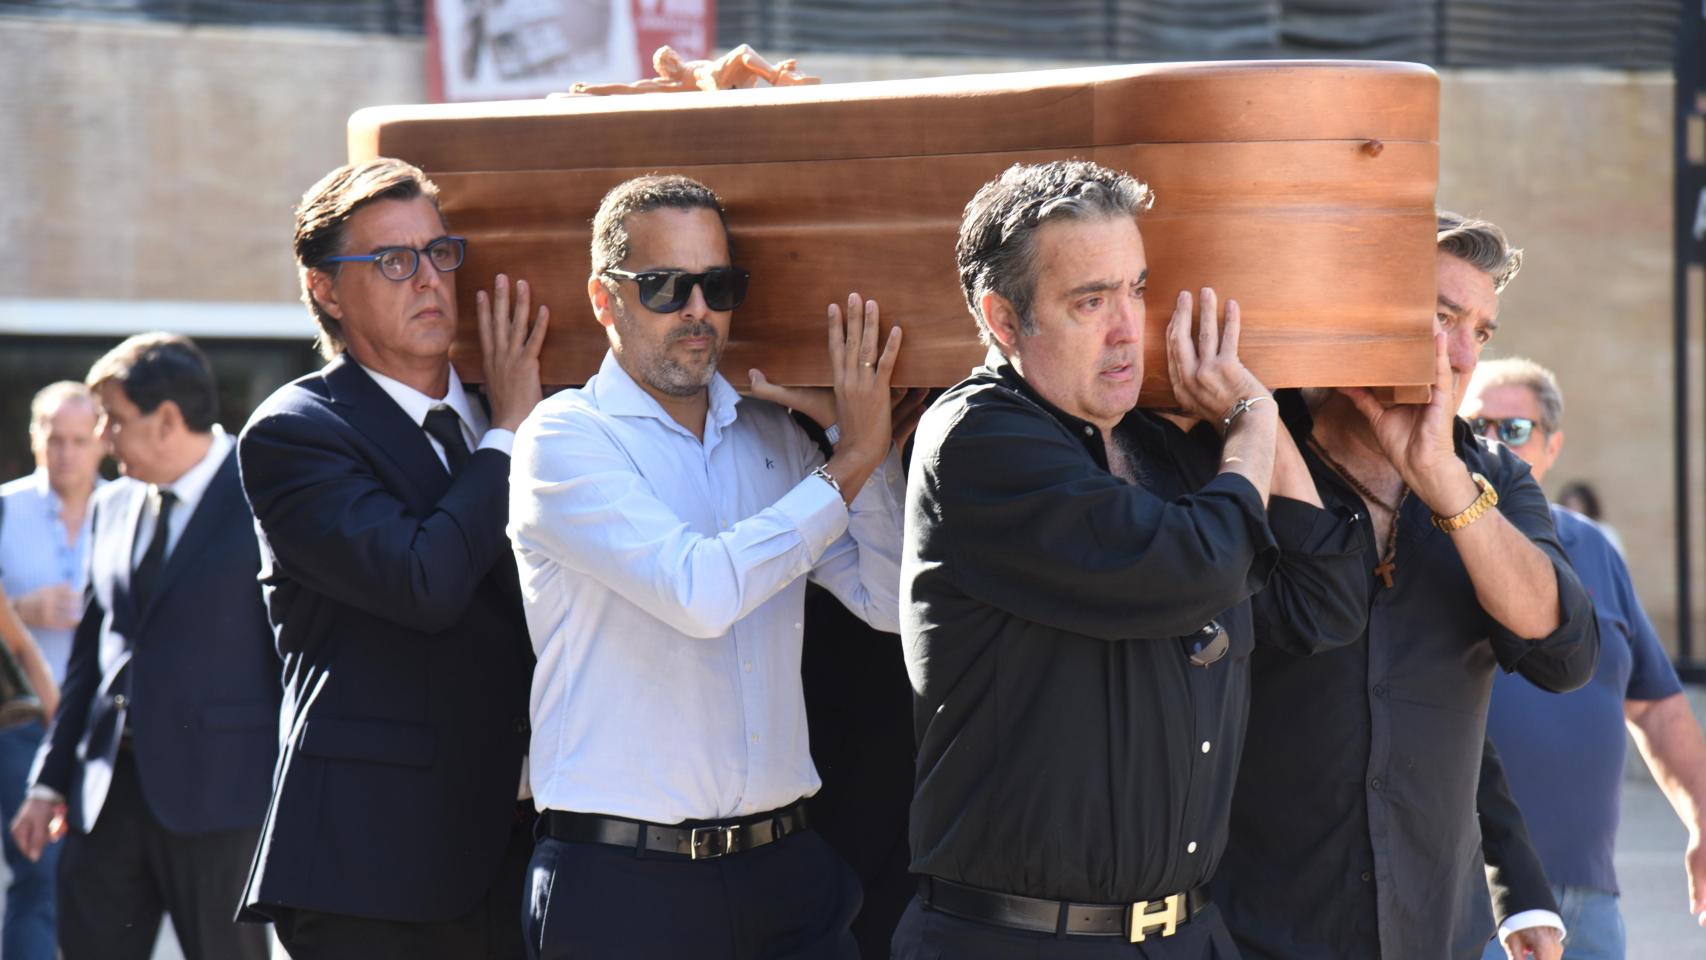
{"points": [[1305, 190]]}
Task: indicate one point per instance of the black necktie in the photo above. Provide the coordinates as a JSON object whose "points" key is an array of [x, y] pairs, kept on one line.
{"points": [[154, 558], [445, 426]]}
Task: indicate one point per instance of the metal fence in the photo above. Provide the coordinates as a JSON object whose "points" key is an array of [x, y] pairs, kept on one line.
{"points": [[399, 17], [1638, 34], [1612, 33]]}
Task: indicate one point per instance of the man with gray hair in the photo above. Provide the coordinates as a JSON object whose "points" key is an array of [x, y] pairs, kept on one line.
{"points": [[1565, 753], [1081, 586], [44, 548], [1354, 828]]}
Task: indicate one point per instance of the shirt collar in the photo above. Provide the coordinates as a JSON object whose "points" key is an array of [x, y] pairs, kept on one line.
{"points": [[189, 487], [618, 395], [417, 404], [998, 366], [45, 489]]}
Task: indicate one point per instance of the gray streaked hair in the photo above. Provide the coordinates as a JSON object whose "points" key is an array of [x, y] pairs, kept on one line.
{"points": [[643, 195], [997, 249], [1523, 372], [1481, 244]]}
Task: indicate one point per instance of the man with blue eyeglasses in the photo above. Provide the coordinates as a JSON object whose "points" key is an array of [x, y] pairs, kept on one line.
{"points": [[1564, 754], [400, 823], [44, 544]]}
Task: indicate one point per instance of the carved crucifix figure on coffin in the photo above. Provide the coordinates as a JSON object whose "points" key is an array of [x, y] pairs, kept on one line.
{"points": [[739, 68]]}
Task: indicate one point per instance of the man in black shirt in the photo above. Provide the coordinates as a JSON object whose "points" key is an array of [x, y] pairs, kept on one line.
{"points": [[1077, 582], [1354, 830]]}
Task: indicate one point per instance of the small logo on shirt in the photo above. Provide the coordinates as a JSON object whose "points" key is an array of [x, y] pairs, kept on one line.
{"points": [[769, 464]]}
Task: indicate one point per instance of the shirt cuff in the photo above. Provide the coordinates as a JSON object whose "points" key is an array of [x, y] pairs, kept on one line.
{"points": [[817, 511], [1531, 918], [40, 791], [498, 439]]}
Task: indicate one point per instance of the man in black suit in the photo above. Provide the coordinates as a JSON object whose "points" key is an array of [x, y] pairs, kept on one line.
{"points": [[379, 489], [161, 751]]}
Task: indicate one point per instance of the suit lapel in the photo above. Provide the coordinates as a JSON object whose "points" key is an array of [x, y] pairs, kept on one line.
{"points": [[221, 495], [371, 410]]}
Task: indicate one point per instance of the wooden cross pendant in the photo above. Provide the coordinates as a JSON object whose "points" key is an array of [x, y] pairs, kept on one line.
{"points": [[1385, 570]]}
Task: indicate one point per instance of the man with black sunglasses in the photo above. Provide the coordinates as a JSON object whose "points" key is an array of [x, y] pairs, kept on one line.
{"points": [[665, 528], [1565, 753], [1083, 585], [378, 487], [1354, 827]]}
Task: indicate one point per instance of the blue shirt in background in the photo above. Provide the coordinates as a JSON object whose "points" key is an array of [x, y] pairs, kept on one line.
{"points": [[35, 553], [1564, 753]]}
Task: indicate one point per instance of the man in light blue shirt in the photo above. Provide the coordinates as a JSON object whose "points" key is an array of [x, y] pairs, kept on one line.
{"points": [[44, 544], [665, 528], [1564, 753]]}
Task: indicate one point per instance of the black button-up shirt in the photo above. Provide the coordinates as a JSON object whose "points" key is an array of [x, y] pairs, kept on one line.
{"points": [[1354, 828], [1067, 747]]}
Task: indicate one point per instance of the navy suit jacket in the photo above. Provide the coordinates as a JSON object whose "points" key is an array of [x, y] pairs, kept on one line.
{"points": [[203, 688], [406, 657]]}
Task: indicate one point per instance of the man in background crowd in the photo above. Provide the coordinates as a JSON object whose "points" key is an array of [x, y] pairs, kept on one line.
{"points": [[160, 756], [1564, 755], [44, 547]]}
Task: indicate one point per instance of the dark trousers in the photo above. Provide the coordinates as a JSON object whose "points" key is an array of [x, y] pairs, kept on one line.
{"points": [[487, 932], [117, 880], [789, 900], [926, 934]]}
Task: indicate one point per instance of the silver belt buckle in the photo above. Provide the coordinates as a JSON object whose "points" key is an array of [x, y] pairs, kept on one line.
{"points": [[704, 843], [1143, 919]]}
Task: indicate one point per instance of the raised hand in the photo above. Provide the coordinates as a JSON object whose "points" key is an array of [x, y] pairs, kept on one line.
{"points": [[1417, 438], [1208, 378], [863, 407], [510, 344]]}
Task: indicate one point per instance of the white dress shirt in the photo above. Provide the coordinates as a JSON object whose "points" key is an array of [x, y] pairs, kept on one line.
{"points": [[664, 580], [476, 429], [188, 489]]}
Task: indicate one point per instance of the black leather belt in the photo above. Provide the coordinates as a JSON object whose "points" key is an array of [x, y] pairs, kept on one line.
{"points": [[704, 841], [1135, 921]]}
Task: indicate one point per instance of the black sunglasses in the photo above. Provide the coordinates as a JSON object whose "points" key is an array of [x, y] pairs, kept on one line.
{"points": [[666, 291], [1207, 645], [1514, 431]]}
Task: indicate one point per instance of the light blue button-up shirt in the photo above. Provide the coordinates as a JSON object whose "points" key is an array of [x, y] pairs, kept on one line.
{"points": [[35, 553], [664, 580]]}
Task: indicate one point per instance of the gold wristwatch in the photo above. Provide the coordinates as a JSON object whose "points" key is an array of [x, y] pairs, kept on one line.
{"points": [[1488, 499]]}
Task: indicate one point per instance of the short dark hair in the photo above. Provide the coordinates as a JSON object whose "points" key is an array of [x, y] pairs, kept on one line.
{"points": [[326, 209], [653, 191], [152, 368], [997, 249], [1481, 244]]}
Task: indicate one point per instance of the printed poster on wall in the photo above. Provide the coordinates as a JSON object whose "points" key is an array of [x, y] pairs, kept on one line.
{"points": [[520, 49]]}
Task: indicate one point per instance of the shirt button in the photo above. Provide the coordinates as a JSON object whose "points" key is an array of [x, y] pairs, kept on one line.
{"points": [[1205, 746], [747, 666], [1380, 689], [1375, 783], [1089, 431], [1191, 847], [1366, 876], [119, 701], [755, 738], [799, 626]]}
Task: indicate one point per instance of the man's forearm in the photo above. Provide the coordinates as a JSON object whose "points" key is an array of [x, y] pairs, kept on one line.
{"points": [[1514, 580], [1249, 447], [1670, 741]]}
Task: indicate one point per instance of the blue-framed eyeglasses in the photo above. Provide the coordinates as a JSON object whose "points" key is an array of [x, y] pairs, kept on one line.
{"points": [[400, 263], [1514, 431]]}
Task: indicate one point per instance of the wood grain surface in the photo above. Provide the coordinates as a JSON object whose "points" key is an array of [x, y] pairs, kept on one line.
{"points": [[1305, 190]]}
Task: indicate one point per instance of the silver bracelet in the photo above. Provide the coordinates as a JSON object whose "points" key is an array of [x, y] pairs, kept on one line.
{"points": [[825, 476], [1239, 408], [832, 434]]}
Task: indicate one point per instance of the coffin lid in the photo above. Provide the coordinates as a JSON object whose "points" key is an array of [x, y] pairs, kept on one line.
{"points": [[1044, 109]]}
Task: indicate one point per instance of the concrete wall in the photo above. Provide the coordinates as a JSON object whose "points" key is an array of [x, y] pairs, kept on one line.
{"points": [[161, 163]]}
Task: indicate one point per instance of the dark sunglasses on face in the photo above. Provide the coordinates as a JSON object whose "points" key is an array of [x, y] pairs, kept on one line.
{"points": [[400, 263], [1207, 645], [666, 291], [1514, 431]]}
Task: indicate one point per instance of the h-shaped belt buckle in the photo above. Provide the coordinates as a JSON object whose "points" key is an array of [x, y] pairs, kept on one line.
{"points": [[703, 842], [1144, 920]]}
